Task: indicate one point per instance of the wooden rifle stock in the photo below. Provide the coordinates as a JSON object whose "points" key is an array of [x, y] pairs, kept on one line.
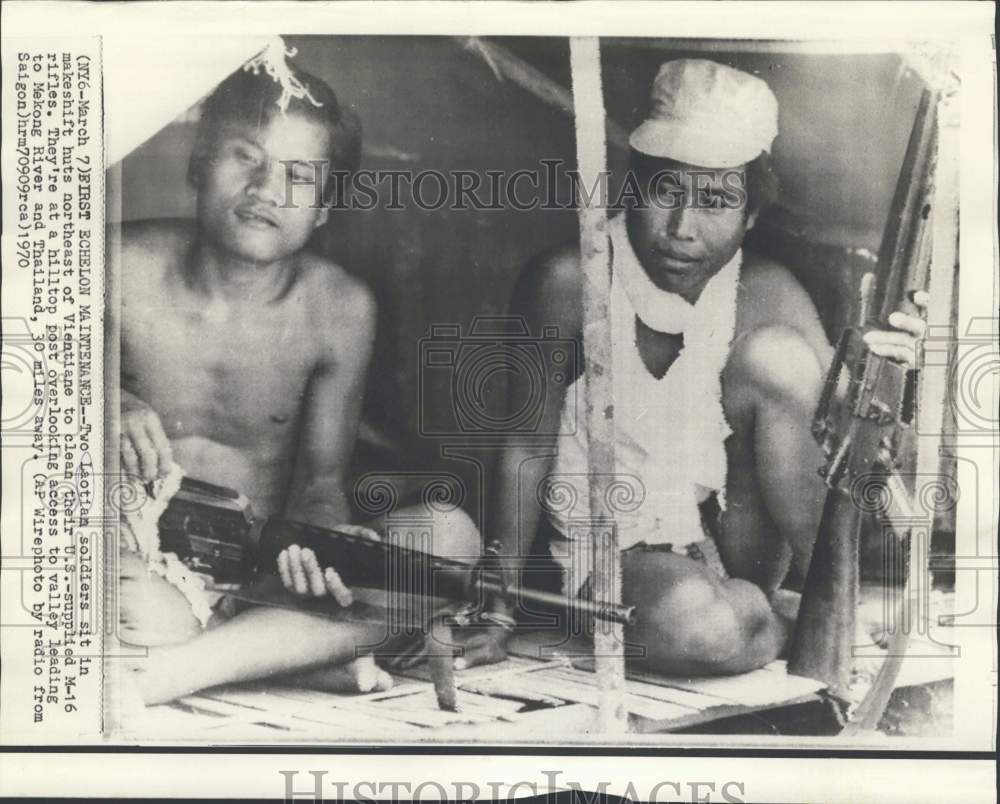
{"points": [[824, 631]]}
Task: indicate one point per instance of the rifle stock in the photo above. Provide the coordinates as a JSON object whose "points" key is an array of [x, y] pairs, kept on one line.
{"points": [[824, 632]]}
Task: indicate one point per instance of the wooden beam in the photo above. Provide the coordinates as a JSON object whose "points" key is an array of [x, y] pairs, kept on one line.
{"points": [[585, 62], [506, 66]]}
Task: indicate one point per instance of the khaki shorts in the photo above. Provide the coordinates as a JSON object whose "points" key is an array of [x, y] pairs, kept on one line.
{"points": [[575, 559]]}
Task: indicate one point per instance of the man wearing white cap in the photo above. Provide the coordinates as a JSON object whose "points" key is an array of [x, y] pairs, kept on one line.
{"points": [[718, 360]]}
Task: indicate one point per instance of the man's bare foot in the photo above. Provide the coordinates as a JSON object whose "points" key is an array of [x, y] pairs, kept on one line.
{"points": [[360, 675], [160, 677]]}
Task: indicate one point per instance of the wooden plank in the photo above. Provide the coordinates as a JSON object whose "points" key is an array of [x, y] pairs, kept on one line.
{"points": [[171, 719], [640, 691], [546, 725], [519, 689], [244, 732], [750, 689], [324, 698], [236, 713], [328, 712], [422, 709], [562, 685]]}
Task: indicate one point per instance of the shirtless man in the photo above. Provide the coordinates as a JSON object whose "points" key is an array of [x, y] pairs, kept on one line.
{"points": [[705, 606], [243, 360]]}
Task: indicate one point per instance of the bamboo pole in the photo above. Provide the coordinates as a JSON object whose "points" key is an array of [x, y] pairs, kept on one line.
{"points": [[585, 62]]}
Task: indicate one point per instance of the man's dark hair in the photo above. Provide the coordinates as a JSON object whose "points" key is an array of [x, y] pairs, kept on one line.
{"points": [[760, 181], [249, 97]]}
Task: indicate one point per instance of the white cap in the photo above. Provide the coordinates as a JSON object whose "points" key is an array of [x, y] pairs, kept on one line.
{"points": [[705, 113]]}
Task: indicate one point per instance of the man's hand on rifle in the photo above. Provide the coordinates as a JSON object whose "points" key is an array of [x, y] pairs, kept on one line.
{"points": [[900, 343], [301, 573]]}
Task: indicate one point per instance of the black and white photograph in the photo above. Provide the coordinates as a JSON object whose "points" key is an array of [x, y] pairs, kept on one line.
{"points": [[357, 341], [498, 390]]}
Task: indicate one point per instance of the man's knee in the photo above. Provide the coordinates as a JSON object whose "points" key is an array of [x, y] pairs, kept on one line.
{"points": [[448, 533], [690, 622], [456, 535], [778, 355], [152, 612], [697, 626]]}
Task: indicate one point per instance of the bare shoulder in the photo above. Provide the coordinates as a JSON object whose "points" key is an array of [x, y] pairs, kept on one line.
{"points": [[780, 345], [149, 248], [159, 237], [332, 288], [770, 294], [549, 290], [338, 305]]}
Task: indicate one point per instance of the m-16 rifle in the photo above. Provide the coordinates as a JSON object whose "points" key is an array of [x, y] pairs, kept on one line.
{"points": [[863, 425], [213, 531]]}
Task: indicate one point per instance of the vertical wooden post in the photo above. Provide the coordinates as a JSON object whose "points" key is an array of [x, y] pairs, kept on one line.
{"points": [[585, 63]]}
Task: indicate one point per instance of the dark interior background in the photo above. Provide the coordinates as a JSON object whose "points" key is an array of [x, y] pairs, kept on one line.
{"points": [[433, 103]]}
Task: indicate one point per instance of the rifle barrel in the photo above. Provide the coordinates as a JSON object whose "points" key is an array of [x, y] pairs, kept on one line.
{"points": [[549, 601], [907, 226], [370, 564]]}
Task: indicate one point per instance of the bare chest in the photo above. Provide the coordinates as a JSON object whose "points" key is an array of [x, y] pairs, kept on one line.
{"points": [[657, 350], [236, 378]]}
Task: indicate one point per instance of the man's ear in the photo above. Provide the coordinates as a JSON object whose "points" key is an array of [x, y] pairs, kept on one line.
{"points": [[323, 217], [751, 220]]}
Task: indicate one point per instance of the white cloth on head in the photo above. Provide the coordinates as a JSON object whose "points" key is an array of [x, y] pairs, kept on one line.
{"points": [[705, 113], [670, 432]]}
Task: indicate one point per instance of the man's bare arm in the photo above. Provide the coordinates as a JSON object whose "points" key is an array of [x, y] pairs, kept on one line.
{"points": [[548, 294], [331, 408], [786, 364], [788, 376]]}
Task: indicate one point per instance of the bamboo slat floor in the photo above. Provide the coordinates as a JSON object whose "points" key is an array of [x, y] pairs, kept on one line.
{"points": [[532, 696]]}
